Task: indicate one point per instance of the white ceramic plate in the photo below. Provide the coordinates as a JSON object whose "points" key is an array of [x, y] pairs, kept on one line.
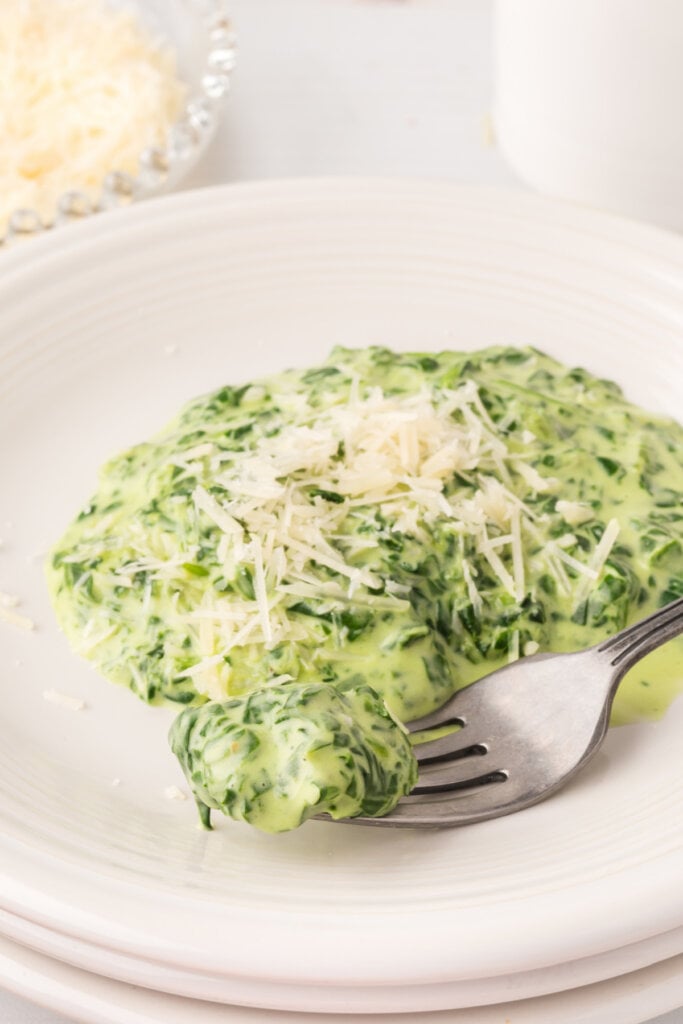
{"points": [[91, 999], [103, 333]]}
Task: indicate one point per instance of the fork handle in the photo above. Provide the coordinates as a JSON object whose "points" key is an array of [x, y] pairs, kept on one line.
{"points": [[627, 647]]}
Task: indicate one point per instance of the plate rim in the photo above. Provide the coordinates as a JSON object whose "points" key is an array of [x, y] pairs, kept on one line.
{"points": [[60, 987]]}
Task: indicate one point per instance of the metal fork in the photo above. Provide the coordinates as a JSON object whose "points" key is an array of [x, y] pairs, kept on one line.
{"points": [[525, 730]]}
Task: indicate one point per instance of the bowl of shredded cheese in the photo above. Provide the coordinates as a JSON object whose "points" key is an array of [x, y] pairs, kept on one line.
{"points": [[104, 102]]}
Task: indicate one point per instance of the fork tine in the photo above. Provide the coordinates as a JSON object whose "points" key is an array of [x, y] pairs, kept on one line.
{"points": [[445, 715], [436, 810], [459, 808], [456, 775], [450, 747]]}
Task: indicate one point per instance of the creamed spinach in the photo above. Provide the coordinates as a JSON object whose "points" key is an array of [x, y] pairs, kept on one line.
{"points": [[415, 520]]}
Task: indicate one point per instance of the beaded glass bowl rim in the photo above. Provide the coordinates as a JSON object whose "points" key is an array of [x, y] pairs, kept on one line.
{"points": [[160, 168]]}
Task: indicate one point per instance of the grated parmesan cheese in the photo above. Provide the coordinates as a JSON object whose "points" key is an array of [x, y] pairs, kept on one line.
{"points": [[8, 613], [174, 793], [398, 450], [604, 547], [597, 560], [63, 700], [398, 453], [574, 513], [83, 90]]}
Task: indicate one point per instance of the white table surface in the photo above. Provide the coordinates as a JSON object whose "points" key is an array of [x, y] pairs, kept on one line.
{"points": [[357, 87]]}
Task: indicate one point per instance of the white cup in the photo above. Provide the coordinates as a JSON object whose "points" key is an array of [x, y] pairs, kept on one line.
{"points": [[588, 101]]}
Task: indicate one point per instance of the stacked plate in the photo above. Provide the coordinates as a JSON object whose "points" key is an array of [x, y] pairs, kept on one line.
{"points": [[570, 907]]}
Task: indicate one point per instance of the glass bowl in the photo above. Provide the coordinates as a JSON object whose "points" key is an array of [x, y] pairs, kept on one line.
{"points": [[201, 35]]}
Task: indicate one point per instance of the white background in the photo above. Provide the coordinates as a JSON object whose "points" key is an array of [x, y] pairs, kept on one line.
{"points": [[353, 87]]}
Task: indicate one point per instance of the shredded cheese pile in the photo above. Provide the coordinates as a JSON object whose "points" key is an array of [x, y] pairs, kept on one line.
{"points": [[390, 453], [83, 90]]}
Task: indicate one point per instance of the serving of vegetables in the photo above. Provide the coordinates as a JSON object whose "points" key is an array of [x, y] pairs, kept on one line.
{"points": [[353, 542]]}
